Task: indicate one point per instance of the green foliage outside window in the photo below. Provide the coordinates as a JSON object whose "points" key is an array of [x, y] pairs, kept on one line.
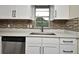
{"points": [[41, 22]]}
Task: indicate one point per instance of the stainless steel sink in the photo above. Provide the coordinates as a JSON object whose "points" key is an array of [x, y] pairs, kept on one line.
{"points": [[42, 33]]}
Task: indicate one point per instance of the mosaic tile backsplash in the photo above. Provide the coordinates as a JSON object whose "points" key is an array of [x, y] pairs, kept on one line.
{"points": [[7, 23], [72, 24]]}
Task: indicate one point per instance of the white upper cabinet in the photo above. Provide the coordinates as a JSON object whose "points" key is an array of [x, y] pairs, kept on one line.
{"points": [[74, 11], [16, 12], [66, 11], [27, 12], [33, 50], [61, 12], [24, 12], [4, 12]]}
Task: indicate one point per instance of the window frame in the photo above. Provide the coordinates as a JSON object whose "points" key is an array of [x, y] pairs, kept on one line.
{"points": [[43, 16]]}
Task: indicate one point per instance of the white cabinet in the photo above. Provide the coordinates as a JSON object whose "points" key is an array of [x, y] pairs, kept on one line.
{"points": [[68, 46], [24, 12], [33, 45], [66, 11], [54, 49], [74, 11], [33, 50], [50, 45], [4, 12], [68, 49], [61, 12], [21, 11], [39, 45]]}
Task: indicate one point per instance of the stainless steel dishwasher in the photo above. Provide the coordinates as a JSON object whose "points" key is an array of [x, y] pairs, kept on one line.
{"points": [[13, 45]]}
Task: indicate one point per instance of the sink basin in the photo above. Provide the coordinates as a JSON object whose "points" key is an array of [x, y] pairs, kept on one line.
{"points": [[42, 33]]}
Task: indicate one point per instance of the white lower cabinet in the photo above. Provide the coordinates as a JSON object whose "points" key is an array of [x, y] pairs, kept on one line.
{"points": [[41, 45], [33, 50], [47, 45], [68, 46], [50, 45], [68, 49], [51, 50], [42, 50]]}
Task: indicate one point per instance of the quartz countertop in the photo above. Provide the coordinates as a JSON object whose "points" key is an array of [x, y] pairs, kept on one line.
{"points": [[58, 34], [26, 32]]}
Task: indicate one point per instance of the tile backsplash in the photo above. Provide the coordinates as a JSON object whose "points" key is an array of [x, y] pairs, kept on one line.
{"points": [[58, 24], [72, 24], [7, 23]]}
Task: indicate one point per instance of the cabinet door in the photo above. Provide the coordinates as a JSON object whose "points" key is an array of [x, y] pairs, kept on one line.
{"points": [[61, 12], [4, 12], [68, 49], [51, 50], [33, 50], [74, 11], [24, 12], [21, 12]]}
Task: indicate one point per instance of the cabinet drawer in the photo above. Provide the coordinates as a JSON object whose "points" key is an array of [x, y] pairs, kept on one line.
{"points": [[67, 41], [51, 40], [33, 40], [68, 49]]}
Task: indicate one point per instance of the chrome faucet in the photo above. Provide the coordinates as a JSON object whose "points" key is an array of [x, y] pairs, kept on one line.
{"points": [[42, 29]]}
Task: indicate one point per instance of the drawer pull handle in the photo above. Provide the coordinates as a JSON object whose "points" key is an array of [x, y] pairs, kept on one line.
{"points": [[68, 51], [68, 41]]}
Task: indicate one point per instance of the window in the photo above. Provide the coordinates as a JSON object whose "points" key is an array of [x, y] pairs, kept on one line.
{"points": [[42, 11]]}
